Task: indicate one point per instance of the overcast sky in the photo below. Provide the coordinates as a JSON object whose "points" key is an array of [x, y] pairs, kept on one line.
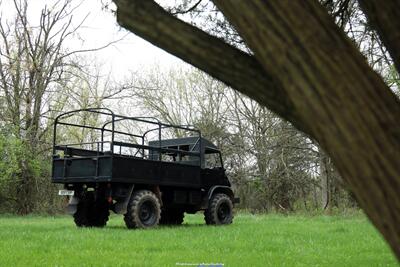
{"points": [[100, 28]]}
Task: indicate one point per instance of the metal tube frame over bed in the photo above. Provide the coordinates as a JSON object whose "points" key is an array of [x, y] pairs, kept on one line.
{"points": [[70, 150]]}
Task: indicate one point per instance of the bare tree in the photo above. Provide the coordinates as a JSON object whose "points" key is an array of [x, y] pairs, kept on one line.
{"points": [[184, 97], [31, 61], [37, 76]]}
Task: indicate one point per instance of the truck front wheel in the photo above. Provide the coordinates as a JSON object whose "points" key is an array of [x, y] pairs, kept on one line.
{"points": [[143, 210], [220, 210]]}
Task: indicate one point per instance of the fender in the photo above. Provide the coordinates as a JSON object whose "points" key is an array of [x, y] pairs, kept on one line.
{"points": [[224, 189], [219, 188]]}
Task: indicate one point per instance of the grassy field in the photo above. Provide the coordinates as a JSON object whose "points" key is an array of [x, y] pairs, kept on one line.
{"points": [[252, 240]]}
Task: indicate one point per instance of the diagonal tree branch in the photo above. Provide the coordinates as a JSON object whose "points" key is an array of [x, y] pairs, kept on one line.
{"points": [[230, 65]]}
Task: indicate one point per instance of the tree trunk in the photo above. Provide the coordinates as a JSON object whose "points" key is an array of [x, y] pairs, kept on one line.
{"points": [[24, 190], [346, 105], [315, 72], [324, 180], [384, 17]]}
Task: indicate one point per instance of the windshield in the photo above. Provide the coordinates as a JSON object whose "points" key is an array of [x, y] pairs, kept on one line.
{"points": [[213, 159]]}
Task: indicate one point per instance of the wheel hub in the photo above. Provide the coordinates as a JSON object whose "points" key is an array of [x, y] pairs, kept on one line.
{"points": [[147, 213], [223, 212]]}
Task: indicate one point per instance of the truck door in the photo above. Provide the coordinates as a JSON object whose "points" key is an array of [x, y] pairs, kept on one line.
{"points": [[213, 172]]}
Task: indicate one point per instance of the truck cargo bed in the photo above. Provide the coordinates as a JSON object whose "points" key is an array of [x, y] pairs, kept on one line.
{"points": [[109, 167]]}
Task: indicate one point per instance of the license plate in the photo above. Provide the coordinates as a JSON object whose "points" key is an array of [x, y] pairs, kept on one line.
{"points": [[66, 192]]}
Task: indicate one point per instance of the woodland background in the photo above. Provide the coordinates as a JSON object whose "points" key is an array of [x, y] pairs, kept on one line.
{"points": [[272, 166]]}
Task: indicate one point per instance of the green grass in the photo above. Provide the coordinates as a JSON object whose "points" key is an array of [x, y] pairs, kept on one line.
{"points": [[252, 240]]}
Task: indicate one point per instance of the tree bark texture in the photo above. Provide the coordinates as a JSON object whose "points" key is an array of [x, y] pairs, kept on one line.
{"points": [[310, 68], [384, 17], [346, 105]]}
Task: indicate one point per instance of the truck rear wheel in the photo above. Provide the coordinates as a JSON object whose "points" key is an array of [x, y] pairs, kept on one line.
{"points": [[172, 216], [91, 212], [220, 210], [143, 210]]}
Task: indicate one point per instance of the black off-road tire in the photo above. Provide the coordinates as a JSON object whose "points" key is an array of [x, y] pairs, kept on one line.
{"points": [[91, 212], [220, 210], [143, 210], [172, 216]]}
